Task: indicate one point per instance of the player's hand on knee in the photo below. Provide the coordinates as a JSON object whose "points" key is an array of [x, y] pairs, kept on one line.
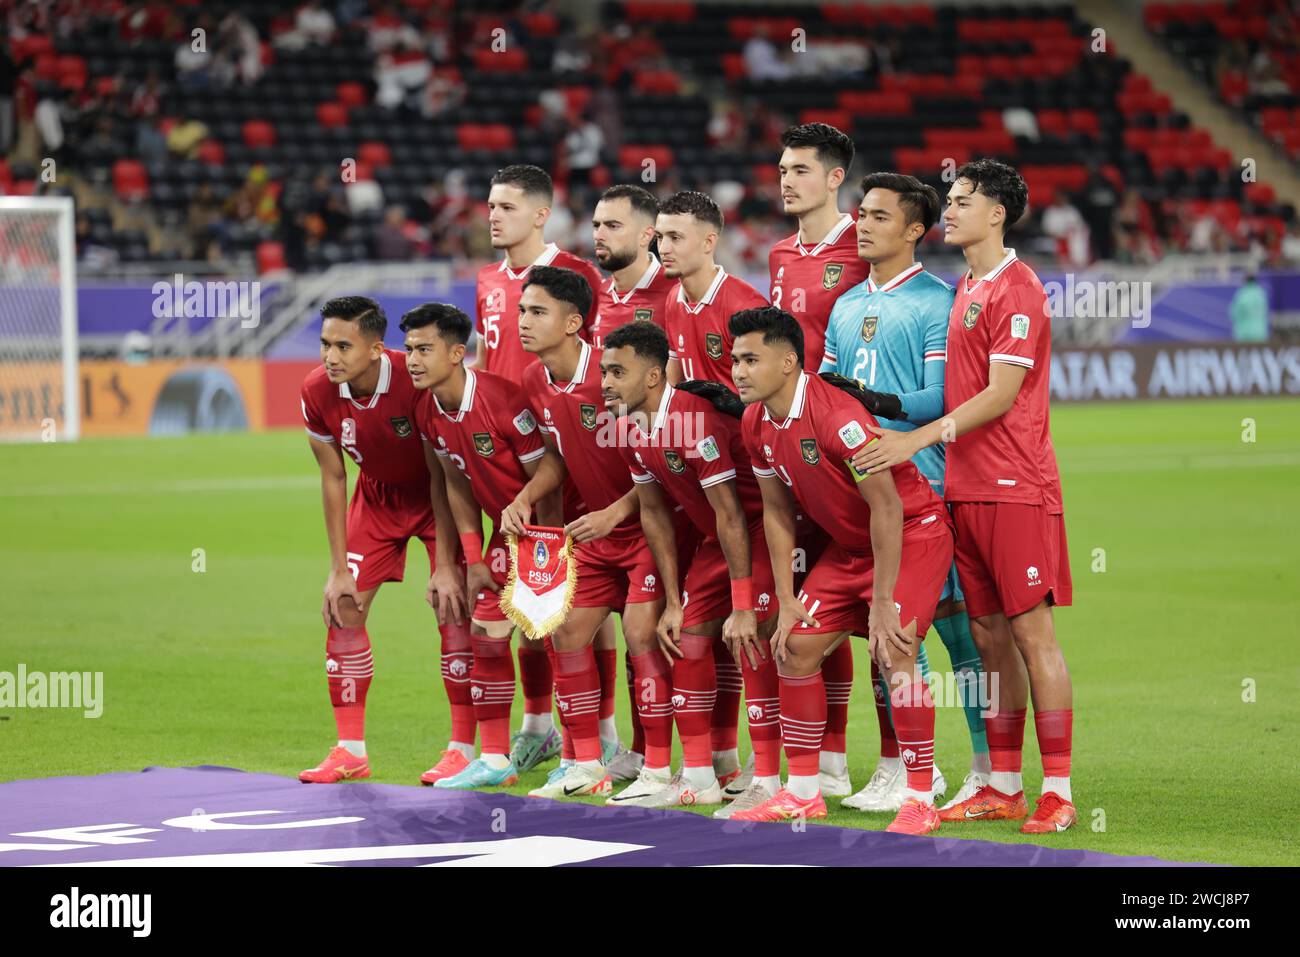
{"points": [[740, 633], [884, 631], [669, 631], [478, 578], [792, 614], [338, 586], [446, 596]]}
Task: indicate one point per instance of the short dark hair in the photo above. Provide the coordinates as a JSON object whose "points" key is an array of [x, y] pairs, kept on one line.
{"points": [[563, 284], [532, 180], [453, 325], [359, 309], [693, 203], [920, 201], [644, 338], [641, 200], [999, 182], [833, 147], [775, 324]]}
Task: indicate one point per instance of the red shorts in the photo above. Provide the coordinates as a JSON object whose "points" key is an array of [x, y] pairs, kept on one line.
{"points": [[381, 520], [1010, 557], [616, 570], [706, 594], [487, 604], [837, 591]]}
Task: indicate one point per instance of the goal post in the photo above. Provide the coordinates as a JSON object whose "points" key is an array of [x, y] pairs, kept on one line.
{"points": [[39, 387]]}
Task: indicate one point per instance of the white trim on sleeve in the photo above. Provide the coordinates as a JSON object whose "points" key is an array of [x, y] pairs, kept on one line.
{"points": [[318, 437], [1011, 360], [642, 478], [718, 479], [763, 473], [533, 455]]}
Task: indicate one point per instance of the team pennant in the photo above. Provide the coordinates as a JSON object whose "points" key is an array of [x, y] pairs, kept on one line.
{"points": [[543, 578]]}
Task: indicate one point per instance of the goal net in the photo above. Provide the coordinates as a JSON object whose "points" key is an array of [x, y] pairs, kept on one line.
{"points": [[38, 320]]}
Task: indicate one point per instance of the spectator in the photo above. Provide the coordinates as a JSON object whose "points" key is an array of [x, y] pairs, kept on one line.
{"points": [[399, 73], [582, 147], [1291, 244], [49, 120], [238, 39], [313, 25], [762, 60], [1065, 226], [184, 139], [8, 81], [1098, 202], [203, 221], [397, 238], [1249, 312]]}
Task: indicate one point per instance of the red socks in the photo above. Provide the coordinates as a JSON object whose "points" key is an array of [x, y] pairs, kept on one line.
{"points": [[349, 668], [726, 712], [1054, 729], [457, 662], [607, 667], [492, 688], [1006, 734], [694, 696], [914, 723], [888, 743], [536, 677], [577, 691], [652, 697], [837, 673], [803, 721], [638, 732], [763, 708]]}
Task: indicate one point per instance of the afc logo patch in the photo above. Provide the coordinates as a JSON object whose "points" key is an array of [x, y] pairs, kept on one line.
{"points": [[831, 275], [869, 324], [972, 314], [401, 425], [713, 345], [588, 415], [810, 453], [483, 444], [674, 461], [644, 314]]}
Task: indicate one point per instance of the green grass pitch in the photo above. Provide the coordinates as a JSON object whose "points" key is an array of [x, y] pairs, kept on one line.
{"points": [[1183, 650]]}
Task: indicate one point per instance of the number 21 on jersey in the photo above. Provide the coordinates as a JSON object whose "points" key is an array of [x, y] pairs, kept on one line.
{"points": [[864, 362]]}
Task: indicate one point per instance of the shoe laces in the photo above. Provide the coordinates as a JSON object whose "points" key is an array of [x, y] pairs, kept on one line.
{"points": [[1048, 804], [912, 812], [557, 773], [880, 779]]}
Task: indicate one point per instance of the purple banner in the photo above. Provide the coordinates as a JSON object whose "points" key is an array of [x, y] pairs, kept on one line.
{"points": [[219, 817]]}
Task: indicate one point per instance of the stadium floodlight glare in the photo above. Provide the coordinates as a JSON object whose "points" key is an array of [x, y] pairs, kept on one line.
{"points": [[39, 391]]}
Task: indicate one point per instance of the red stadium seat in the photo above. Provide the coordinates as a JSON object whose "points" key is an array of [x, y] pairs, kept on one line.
{"points": [[212, 153], [1261, 194], [577, 97], [659, 11], [47, 67], [270, 257], [258, 134], [541, 24], [840, 119], [332, 115], [375, 154], [733, 66], [658, 82], [1052, 121], [510, 60], [130, 180], [1085, 121], [632, 156], [475, 137], [32, 46], [72, 72], [350, 93], [869, 104]]}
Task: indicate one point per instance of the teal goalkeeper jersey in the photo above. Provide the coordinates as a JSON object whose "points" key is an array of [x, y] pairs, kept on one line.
{"points": [[892, 338]]}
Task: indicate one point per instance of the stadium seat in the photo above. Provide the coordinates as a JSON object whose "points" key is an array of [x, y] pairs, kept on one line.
{"points": [[375, 154], [350, 93], [212, 153], [332, 115], [130, 181], [258, 134], [270, 257]]}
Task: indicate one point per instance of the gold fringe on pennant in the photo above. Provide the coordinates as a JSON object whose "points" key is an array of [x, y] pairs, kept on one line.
{"points": [[536, 630]]}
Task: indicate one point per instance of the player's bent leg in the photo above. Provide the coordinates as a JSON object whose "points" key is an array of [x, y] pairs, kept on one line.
{"points": [[724, 729], [492, 687], [606, 645], [457, 663], [537, 740], [803, 722], [1049, 678], [1003, 797], [349, 667], [837, 673], [577, 692], [912, 710], [953, 626]]}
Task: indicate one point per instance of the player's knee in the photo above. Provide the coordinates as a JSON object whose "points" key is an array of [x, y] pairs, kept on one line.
{"points": [[1033, 629], [492, 629], [695, 646], [639, 640]]}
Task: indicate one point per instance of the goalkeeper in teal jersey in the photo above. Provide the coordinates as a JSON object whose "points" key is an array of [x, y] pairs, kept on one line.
{"points": [[890, 334]]}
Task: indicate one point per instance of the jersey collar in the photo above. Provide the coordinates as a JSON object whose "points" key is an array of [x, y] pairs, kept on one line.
{"points": [[651, 273], [579, 376], [897, 281], [1007, 260], [796, 407], [385, 379], [549, 252], [830, 239], [718, 278], [661, 414], [466, 402]]}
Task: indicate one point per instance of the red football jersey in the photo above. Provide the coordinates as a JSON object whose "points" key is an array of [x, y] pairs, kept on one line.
{"points": [[810, 452], [1002, 318], [488, 438], [806, 282], [379, 433], [585, 434], [697, 332], [644, 301], [690, 447], [497, 296]]}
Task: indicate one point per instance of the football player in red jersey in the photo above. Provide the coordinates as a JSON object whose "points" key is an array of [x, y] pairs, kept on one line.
{"points": [[361, 401], [1005, 492], [801, 432], [623, 229], [480, 427], [685, 452], [615, 569], [704, 297], [519, 204], [808, 272]]}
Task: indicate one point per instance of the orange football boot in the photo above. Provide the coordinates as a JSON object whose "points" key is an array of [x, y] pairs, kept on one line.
{"points": [[988, 804], [915, 818], [1052, 814], [784, 807], [451, 763], [340, 765]]}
